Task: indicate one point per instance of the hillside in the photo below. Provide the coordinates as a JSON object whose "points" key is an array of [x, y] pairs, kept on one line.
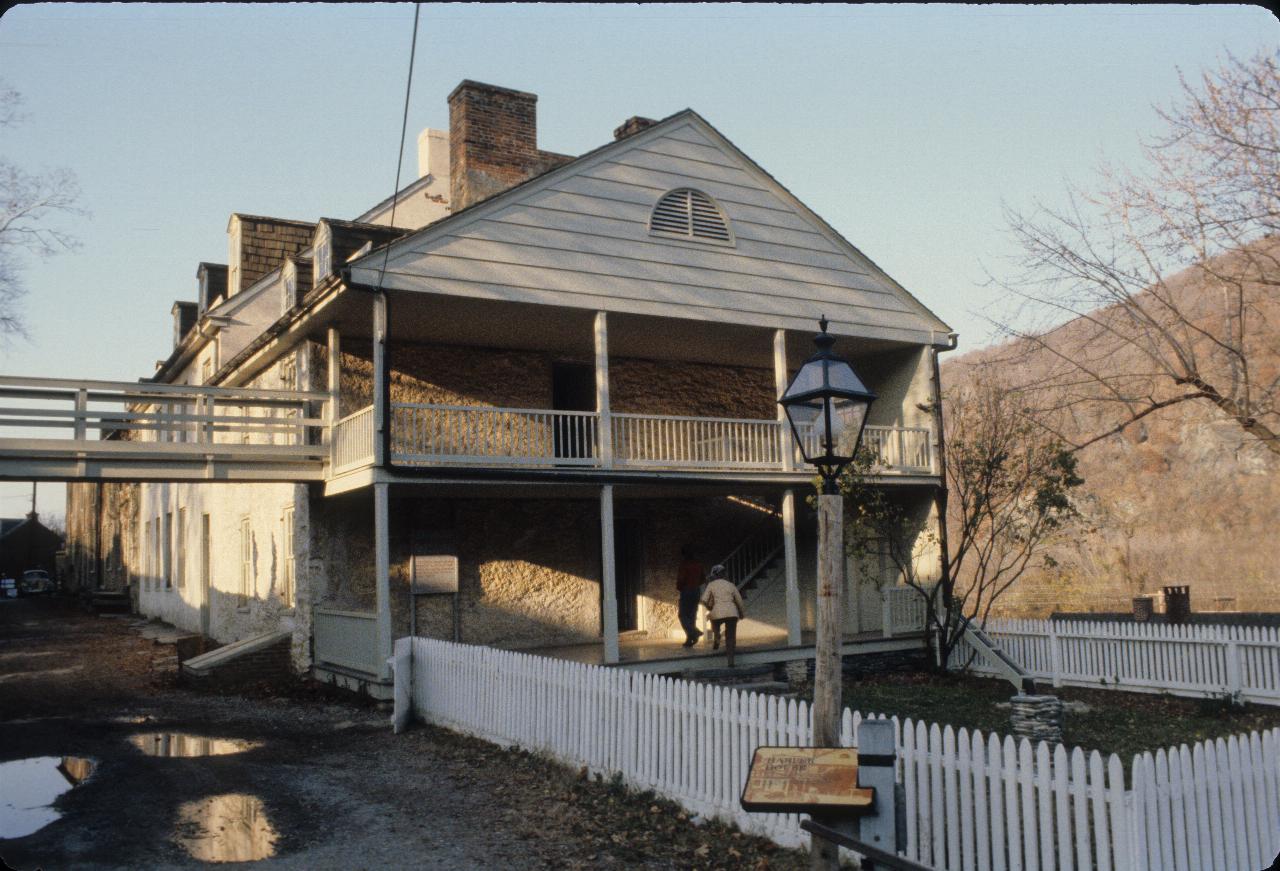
{"points": [[1184, 496]]}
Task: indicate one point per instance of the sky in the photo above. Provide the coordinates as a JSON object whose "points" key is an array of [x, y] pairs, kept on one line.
{"points": [[906, 127]]}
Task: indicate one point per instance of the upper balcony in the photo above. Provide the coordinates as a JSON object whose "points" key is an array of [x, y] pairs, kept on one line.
{"points": [[426, 436]]}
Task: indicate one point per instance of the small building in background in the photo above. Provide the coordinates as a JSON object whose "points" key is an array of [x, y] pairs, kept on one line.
{"points": [[26, 543]]}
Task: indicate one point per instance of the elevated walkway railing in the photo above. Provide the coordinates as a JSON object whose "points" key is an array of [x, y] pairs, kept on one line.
{"points": [[58, 428]]}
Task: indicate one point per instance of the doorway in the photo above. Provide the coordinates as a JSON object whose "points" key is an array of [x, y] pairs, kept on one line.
{"points": [[573, 388], [628, 552]]}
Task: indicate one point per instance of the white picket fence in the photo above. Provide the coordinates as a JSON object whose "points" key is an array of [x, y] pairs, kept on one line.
{"points": [[972, 802], [1197, 661]]}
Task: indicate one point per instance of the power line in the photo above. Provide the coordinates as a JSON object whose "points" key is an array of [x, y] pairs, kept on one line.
{"points": [[404, 126]]}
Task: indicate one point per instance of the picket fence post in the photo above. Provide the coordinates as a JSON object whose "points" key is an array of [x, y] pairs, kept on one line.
{"points": [[1055, 655], [1234, 683]]}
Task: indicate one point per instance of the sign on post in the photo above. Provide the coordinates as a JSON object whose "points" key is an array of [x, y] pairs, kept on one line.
{"points": [[805, 780], [434, 574]]}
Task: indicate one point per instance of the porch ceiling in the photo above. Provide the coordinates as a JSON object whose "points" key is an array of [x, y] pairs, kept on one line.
{"points": [[454, 320]]}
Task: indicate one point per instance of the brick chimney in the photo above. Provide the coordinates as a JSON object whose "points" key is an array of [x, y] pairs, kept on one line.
{"points": [[493, 142], [631, 126]]}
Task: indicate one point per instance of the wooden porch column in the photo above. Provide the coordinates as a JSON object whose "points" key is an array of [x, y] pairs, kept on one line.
{"points": [[608, 576], [334, 412], [784, 429], [792, 571], [602, 390], [381, 409], [382, 570]]}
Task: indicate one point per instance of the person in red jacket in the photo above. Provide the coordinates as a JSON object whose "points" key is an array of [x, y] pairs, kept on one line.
{"points": [[689, 580]]}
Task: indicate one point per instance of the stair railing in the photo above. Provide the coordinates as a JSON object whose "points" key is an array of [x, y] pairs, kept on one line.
{"points": [[746, 561]]}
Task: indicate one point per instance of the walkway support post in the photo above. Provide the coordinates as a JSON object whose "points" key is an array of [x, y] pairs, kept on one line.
{"points": [[608, 577]]}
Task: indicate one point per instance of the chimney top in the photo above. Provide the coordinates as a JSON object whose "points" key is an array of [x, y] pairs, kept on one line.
{"points": [[469, 85], [631, 126]]}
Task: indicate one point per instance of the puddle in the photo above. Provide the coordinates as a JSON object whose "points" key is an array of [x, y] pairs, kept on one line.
{"points": [[226, 828], [176, 744], [29, 786]]}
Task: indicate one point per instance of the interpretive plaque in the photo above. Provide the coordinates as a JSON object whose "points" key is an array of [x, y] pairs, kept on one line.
{"points": [[435, 574], [805, 780]]}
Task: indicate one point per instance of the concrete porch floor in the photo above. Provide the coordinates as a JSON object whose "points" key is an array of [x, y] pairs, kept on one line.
{"points": [[668, 656]]}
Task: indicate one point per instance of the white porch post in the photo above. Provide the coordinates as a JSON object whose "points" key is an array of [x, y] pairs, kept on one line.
{"points": [[779, 387], [333, 413], [608, 576], [792, 571], [381, 423], [605, 422], [382, 569]]}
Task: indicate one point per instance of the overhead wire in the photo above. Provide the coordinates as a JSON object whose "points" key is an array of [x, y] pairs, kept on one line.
{"points": [[404, 126]]}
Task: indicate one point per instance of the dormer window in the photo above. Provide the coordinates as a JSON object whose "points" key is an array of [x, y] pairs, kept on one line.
{"points": [[322, 255], [290, 281], [686, 213]]}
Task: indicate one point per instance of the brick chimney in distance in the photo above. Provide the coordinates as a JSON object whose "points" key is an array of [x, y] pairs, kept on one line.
{"points": [[493, 142]]}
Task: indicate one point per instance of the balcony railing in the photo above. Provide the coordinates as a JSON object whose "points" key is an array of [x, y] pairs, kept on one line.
{"points": [[429, 435]]}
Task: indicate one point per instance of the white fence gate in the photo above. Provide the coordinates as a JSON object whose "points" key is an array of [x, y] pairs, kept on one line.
{"points": [[973, 802], [1197, 661]]}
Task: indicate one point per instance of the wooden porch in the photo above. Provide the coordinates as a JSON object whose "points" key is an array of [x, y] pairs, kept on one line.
{"points": [[669, 656]]}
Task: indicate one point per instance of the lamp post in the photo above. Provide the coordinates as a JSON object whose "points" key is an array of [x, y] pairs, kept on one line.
{"points": [[826, 404]]}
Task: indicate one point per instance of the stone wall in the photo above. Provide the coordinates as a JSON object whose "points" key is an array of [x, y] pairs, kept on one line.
{"points": [[460, 375], [528, 569]]}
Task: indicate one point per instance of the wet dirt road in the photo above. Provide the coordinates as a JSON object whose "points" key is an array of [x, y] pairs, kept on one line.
{"points": [[169, 778]]}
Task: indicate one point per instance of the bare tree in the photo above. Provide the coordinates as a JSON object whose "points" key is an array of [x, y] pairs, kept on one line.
{"points": [[1167, 278], [1010, 486], [27, 203]]}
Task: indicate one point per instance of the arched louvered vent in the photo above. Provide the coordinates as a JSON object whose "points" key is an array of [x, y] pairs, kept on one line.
{"points": [[690, 214]]}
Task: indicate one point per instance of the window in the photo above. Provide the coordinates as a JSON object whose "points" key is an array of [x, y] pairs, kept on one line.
{"points": [[321, 255], [180, 554], [246, 562], [689, 214], [287, 578], [167, 555], [148, 569], [290, 282], [233, 261], [288, 373], [206, 370]]}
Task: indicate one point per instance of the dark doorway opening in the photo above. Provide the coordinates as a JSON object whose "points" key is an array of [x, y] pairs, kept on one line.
{"points": [[573, 388], [628, 552]]}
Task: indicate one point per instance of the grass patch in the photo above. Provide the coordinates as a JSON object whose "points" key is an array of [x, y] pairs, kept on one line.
{"points": [[1116, 722]]}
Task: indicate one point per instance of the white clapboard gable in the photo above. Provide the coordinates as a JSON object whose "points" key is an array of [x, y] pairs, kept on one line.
{"points": [[580, 236]]}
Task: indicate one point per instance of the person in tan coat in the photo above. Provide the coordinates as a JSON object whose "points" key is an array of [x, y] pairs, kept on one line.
{"points": [[724, 603]]}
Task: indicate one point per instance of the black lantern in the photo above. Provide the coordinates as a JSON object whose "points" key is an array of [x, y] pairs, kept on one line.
{"points": [[827, 405]]}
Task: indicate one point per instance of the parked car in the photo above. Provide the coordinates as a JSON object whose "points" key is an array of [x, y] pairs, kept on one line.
{"points": [[8, 588], [36, 581]]}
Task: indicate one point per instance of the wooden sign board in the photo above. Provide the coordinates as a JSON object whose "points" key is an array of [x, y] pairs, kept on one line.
{"points": [[805, 780], [435, 574]]}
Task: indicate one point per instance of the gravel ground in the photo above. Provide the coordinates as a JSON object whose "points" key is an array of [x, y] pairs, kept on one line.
{"points": [[333, 787]]}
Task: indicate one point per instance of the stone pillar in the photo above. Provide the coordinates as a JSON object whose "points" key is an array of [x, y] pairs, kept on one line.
{"points": [[608, 576], [1036, 717]]}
